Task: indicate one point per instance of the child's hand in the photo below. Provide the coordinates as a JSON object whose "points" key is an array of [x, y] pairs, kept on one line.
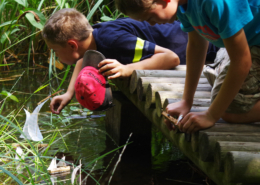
{"points": [[59, 102], [178, 109], [195, 121], [114, 69]]}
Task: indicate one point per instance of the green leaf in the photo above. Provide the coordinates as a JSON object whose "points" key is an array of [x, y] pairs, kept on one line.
{"points": [[73, 108], [40, 88], [60, 3], [65, 114], [5, 93], [22, 2], [14, 98], [94, 9], [85, 110], [7, 23], [1, 65], [11, 175], [31, 19], [105, 18], [65, 76], [9, 95]]}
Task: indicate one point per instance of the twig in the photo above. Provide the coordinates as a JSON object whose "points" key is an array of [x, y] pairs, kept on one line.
{"points": [[119, 159], [171, 119], [85, 179], [50, 96]]}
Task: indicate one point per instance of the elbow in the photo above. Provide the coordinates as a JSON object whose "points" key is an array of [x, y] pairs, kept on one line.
{"points": [[175, 60]]}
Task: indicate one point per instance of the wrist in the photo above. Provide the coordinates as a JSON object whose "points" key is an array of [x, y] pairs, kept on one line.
{"points": [[69, 94], [215, 115]]}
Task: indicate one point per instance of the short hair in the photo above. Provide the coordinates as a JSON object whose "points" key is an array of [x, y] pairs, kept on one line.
{"points": [[65, 24], [133, 6]]}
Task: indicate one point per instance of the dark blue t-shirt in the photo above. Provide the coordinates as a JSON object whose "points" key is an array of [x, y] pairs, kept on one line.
{"points": [[128, 40]]}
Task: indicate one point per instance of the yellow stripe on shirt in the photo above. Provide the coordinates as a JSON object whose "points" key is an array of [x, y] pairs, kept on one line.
{"points": [[138, 50]]}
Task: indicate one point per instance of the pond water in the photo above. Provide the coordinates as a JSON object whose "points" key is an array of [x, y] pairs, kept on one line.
{"points": [[80, 135]]}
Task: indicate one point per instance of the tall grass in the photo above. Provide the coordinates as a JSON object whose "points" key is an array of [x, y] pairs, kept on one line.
{"points": [[21, 22]]}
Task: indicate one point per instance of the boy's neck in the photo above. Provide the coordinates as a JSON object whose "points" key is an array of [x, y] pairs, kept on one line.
{"points": [[87, 44]]}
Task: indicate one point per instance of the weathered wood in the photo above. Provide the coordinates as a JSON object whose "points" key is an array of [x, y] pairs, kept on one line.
{"points": [[143, 83], [161, 96], [242, 167], [223, 127], [59, 170], [124, 118], [154, 87], [223, 147], [177, 139], [207, 141], [155, 73]]}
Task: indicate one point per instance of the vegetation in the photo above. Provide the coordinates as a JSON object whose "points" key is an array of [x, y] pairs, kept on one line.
{"points": [[24, 64], [21, 22]]}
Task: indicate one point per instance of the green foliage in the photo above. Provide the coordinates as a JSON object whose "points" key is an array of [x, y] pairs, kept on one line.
{"points": [[9, 95], [21, 22]]}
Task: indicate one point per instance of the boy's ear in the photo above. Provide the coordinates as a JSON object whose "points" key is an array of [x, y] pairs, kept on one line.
{"points": [[73, 44], [167, 1]]}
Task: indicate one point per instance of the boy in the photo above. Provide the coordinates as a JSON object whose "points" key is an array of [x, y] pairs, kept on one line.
{"points": [[225, 23], [69, 34]]}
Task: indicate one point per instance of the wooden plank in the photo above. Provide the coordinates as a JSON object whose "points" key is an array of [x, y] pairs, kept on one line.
{"points": [[242, 167], [155, 73], [178, 139], [59, 170], [154, 87], [143, 83], [223, 147], [223, 127], [207, 141]]}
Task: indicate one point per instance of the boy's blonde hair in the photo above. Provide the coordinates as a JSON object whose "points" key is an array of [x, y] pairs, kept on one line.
{"points": [[65, 24], [133, 6]]}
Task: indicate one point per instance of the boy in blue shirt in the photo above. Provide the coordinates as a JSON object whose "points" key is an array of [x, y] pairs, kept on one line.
{"points": [[233, 24], [124, 42]]}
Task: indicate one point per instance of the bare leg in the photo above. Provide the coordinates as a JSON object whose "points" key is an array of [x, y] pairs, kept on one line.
{"points": [[252, 116]]}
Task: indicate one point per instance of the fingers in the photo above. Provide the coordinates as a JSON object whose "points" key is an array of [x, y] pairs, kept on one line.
{"points": [[59, 109], [107, 65], [55, 104], [110, 72], [118, 74], [106, 61]]}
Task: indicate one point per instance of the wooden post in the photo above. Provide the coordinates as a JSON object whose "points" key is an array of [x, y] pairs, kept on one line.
{"points": [[155, 73], [242, 167], [124, 118], [207, 141], [143, 83], [161, 96], [223, 147]]}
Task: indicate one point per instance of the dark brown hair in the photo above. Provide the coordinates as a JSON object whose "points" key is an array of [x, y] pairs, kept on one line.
{"points": [[133, 6]]}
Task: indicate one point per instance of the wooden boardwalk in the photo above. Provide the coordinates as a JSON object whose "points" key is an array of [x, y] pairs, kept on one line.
{"points": [[228, 153]]}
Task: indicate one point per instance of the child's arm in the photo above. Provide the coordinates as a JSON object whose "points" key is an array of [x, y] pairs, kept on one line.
{"points": [[196, 54], [240, 63], [59, 102], [162, 59]]}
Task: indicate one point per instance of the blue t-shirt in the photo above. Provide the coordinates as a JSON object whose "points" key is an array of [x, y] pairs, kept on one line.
{"points": [[220, 19], [128, 40]]}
